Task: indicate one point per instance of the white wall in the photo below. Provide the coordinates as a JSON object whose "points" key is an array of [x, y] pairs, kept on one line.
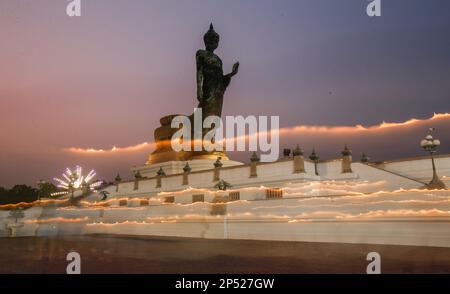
{"points": [[276, 174], [414, 217], [334, 207], [421, 169]]}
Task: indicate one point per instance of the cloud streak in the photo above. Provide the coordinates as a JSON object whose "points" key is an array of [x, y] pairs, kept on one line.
{"points": [[114, 149], [288, 131], [360, 128]]}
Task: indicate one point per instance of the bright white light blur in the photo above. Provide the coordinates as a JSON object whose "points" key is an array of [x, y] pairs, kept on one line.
{"points": [[73, 180]]}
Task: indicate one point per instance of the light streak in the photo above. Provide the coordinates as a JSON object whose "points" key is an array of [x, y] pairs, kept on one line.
{"points": [[283, 131]]}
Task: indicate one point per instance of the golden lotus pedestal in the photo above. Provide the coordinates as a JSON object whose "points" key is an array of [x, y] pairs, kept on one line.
{"points": [[164, 151], [173, 162]]}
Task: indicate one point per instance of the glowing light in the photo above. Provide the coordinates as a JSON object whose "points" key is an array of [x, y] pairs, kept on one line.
{"points": [[283, 131], [74, 180], [25, 205], [57, 220], [114, 149]]}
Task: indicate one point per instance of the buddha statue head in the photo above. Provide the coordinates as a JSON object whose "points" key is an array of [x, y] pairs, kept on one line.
{"points": [[211, 39]]}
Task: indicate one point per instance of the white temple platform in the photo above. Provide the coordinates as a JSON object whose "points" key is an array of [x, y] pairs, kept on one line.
{"points": [[382, 203]]}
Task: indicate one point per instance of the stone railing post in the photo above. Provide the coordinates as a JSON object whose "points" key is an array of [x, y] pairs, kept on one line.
{"points": [[186, 171], [160, 174], [299, 161], [117, 180], [254, 160], [217, 166], [346, 160]]}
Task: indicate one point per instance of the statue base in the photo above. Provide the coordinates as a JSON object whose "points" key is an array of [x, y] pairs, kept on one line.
{"points": [[165, 153], [173, 162]]}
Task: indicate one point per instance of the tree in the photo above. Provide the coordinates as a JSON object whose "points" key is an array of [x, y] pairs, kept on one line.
{"points": [[19, 193], [3, 195], [3, 192], [46, 189]]}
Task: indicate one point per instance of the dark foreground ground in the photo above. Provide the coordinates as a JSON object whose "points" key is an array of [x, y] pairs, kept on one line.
{"points": [[129, 254]]}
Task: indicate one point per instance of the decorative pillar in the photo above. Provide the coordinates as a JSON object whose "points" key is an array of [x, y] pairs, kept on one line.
{"points": [[299, 160], [254, 160], [217, 166], [365, 159], [346, 160], [187, 169], [159, 176], [315, 158], [118, 179], [137, 178]]}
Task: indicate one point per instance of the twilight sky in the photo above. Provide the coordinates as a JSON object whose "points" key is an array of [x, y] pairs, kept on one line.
{"points": [[104, 79]]}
